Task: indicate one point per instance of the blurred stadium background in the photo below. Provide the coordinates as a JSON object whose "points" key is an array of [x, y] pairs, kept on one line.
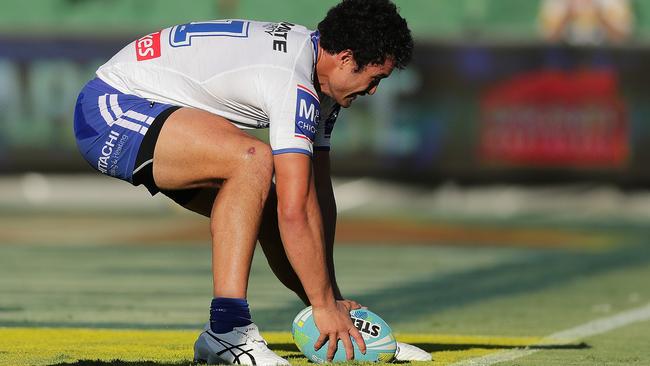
{"points": [[497, 91], [518, 143]]}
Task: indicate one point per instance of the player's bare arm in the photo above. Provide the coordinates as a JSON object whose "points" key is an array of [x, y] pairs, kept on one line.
{"points": [[327, 203], [301, 230]]}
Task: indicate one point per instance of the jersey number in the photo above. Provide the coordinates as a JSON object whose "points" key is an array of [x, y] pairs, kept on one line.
{"points": [[181, 35]]}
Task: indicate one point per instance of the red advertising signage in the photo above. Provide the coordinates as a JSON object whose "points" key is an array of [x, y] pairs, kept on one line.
{"points": [[555, 119]]}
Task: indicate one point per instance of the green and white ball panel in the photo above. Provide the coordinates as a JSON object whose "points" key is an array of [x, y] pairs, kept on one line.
{"points": [[380, 342]]}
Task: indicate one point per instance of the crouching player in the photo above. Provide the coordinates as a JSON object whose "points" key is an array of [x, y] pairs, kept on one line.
{"points": [[167, 112]]}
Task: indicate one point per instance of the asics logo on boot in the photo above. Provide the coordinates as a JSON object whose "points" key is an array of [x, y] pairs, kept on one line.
{"points": [[235, 350]]}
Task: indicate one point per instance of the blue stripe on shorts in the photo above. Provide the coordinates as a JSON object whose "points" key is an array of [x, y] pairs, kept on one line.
{"points": [[109, 127]]}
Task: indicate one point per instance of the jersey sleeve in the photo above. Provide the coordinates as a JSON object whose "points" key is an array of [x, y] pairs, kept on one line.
{"points": [[293, 106], [293, 126]]}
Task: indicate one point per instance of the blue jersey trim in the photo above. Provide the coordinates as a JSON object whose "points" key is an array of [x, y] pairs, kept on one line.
{"points": [[315, 39], [285, 151]]}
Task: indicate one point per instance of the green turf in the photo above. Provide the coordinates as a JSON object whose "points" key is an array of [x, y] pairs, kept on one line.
{"points": [[464, 290], [170, 287], [539, 295], [621, 347]]}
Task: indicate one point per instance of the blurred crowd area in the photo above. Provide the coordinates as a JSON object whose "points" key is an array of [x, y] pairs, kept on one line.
{"points": [[515, 91]]}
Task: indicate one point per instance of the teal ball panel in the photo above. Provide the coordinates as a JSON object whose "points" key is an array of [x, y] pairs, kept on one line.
{"points": [[380, 342]]}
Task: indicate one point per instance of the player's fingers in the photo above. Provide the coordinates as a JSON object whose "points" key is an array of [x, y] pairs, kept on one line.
{"points": [[347, 305], [355, 305], [359, 339], [320, 341], [347, 344], [331, 349]]}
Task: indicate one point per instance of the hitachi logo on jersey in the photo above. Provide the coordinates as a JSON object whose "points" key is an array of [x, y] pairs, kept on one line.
{"points": [[107, 151], [307, 113], [148, 47]]}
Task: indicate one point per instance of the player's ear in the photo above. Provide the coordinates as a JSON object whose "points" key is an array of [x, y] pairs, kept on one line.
{"points": [[345, 58]]}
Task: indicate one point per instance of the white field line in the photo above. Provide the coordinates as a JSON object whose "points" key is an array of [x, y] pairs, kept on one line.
{"points": [[594, 327]]}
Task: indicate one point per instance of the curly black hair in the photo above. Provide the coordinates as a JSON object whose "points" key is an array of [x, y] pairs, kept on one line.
{"points": [[372, 29]]}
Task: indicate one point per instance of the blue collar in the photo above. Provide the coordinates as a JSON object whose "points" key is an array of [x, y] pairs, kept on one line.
{"points": [[315, 39]]}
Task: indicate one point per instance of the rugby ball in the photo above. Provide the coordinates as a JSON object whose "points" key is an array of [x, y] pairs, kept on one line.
{"points": [[380, 342]]}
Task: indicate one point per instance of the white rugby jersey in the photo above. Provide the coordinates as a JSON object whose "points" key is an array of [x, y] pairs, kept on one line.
{"points": [[255, 74]]}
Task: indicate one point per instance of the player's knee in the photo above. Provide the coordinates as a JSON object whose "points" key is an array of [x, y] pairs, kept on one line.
{"points": [[265, 163], [257, 159]]}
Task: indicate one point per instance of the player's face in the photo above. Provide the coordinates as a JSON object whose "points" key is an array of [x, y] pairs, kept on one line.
{"points": [[348, 83]]}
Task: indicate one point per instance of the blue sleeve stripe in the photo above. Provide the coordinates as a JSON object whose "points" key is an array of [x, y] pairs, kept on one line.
{"points": [[285, 151]]}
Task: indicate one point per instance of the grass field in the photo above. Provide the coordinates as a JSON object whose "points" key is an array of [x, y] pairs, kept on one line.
{"points": [[107, 289]]}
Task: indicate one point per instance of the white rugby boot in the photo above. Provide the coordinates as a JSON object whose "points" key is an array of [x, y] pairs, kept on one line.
{"points": [[408, 352], [241, 346]]}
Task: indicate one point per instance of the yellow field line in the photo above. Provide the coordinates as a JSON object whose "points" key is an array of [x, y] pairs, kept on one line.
{"points": [[47, 346]]}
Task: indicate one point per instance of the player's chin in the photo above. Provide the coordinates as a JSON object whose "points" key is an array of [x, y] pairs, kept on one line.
{"points": [[346, 102]]}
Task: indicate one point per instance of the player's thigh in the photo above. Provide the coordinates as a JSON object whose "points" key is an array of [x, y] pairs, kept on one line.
{"points": [[197, 148]]}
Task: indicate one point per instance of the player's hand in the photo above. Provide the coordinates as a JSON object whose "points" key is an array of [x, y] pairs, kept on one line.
{"points": [[334, 323], [350, 304]]}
